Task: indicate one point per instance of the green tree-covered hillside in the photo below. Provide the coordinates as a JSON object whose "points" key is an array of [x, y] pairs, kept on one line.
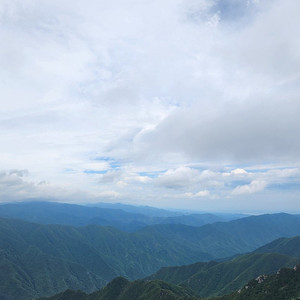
{"points": [[40, 260]]}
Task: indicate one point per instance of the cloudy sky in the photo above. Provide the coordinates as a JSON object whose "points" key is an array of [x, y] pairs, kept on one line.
{"points": [[189, 104]]}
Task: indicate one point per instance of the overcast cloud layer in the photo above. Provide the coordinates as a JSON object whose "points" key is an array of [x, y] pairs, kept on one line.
{"points": [[176, 103]]}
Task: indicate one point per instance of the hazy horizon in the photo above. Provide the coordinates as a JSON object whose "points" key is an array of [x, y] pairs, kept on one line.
{"points": [[174, 209], [183, 104]]}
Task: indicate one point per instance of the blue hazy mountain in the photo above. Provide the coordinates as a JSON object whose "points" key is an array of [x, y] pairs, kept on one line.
{"points": [[124, 217]]}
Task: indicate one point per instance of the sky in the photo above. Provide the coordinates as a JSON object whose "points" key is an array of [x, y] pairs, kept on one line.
{"points": [[190, 104]]}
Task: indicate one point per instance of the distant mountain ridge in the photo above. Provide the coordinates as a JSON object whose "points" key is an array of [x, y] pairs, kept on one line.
{"points": [[225, 239], [130, 219], [143, 210], [159, 212]]}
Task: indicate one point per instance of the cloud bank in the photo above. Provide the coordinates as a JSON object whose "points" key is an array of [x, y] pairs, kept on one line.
{"points": [[151, 103]]}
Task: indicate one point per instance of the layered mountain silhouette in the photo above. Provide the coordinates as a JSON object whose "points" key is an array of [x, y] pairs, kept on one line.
{"points": [[39, 260], [124, 217]]}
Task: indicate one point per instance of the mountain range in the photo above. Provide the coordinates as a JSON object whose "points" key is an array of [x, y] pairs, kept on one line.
{"points": [[39, 260], [124, 217]]}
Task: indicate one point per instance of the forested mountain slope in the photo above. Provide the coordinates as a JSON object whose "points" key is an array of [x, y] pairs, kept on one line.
{"points": [[224, 239], [212, 278], [219, 278], [42, 260], [284, 285], [288, 246], [122, 289]]}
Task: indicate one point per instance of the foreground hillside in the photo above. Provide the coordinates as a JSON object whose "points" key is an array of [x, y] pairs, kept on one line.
{"points": [[219, 278], [213, 279], [39, 260], [283, 285], [122, 289]]}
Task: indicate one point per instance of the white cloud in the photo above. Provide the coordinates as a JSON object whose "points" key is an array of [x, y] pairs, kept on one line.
{"points": [[238, 171], [204, 193], [254, 187], [96, 166], [143, 179], [15, 186], [178, 178], [249, 111], [109, 177], [122, 184], [206, 85]]}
